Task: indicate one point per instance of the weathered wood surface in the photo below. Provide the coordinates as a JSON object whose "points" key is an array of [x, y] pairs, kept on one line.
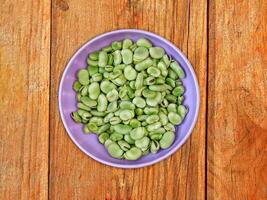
{"points": [[237, 100], [24, 98]]}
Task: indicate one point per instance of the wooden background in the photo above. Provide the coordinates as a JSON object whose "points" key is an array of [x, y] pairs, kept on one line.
{"points": [[226, 156]]}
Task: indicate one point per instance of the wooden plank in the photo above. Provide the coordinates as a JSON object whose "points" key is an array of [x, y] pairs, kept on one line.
{"points": [[72, 173], [24, 98], [237, 111]]}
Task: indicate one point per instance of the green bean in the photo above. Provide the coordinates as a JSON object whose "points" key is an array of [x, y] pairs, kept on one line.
{"points": [[97, 120], [133, 154], [180, 100], [156, 136], [102, 103], [139, 102], [103, 128], [127, 105], [142, 143], [137, 133], [174, 118], [130, 73], [182, 110], [167, 140], [125, 115], [92, 127], [102, 59], [110, 60], [106, 49], [171, 98], [103, 137], [163, 118], [163, 68], [94, 90], [144, 123], [92, 70], [101, 70], [151, 110], [122, 129], [83, 106], [132, 84], [156, 52], [154, 101], [160, 80], [152, 119], [166, 59], [128, 139], [153, 71], [78, 97], [114, 120], [76, 86], [83, 77], [134, 123], [115, 151], [172, 74], [85, 115], [76, 117], [140, 54], [85, 129], [154, 126], [84, 90], [116, 45], [157, 131], [154, 147], [97, 77], [158, 88], [150, 80], [178, 82], [127, 56], [108, 117], [139, 111], [149, 93], [177, 69], [119, 67], [142, 42], [138, 92], [126, 43], [164, 103], [106, 86], [169, 127], [112, 107], [113, 95], [133, 47], [124, 145], [108, 68], [172, 107], [179, 90], [121, 80], [94, 55], [139, 81], [144, 64], [91, 62], [108, 142], [130, 92], [116, 137], [117, 57]]}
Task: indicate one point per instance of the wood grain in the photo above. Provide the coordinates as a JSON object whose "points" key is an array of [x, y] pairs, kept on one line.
{"points": [[237, 100], [73, 175], [24, 98]]}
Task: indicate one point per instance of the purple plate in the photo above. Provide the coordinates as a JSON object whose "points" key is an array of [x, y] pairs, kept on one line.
{"points": [[88, 143]]}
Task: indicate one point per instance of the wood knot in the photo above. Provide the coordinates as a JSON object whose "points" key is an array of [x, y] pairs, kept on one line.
{"points": [[63, 5]]}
